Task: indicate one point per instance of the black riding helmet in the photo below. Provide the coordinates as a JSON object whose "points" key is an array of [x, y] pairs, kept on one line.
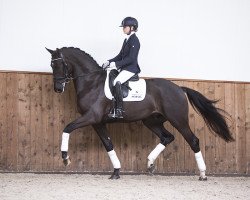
{"points": [[130, 21]]}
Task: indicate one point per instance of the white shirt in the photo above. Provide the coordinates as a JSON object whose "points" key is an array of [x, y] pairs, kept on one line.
{"points": [[128, 36]]}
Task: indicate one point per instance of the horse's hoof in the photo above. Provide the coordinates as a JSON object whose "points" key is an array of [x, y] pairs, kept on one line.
{"points": [[202, 178], [151, 169], [66, 162], [114, 177]]}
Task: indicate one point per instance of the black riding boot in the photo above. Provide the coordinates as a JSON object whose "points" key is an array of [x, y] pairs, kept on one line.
{"points": [[119, 100], [117, 112]]}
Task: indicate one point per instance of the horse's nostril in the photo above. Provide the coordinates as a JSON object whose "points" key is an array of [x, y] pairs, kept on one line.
{"points": [[58, 91]]}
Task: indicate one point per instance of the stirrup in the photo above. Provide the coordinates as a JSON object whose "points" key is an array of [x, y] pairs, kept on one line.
{"points": [[116, 114], [112, 115]]}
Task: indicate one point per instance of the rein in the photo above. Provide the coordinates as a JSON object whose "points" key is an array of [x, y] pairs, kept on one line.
{"points": [[72, 78]]}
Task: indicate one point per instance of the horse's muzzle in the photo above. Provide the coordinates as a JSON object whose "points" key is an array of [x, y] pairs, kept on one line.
{"points": [[59, 87]]}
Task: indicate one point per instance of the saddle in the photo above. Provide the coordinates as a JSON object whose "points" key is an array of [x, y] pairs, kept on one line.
{"points": [[125, 86]]}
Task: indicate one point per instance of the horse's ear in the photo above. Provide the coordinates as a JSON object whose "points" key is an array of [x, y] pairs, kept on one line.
{"points": [[49, 50]]}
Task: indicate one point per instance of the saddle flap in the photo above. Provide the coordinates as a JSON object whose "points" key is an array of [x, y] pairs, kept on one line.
{"points": [[134, 91], [125, 86]]}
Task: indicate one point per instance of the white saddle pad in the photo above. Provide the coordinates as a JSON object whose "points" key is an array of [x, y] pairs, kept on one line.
{"points": [[137, 93]]}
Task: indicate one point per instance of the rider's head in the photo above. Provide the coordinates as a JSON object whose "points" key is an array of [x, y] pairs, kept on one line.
{"points": [[129, 24]]}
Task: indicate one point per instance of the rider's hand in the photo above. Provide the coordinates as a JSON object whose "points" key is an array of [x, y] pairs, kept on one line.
{"points": [[105, 65], [112, 65]]}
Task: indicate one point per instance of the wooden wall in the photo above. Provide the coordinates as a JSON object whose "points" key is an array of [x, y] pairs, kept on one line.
{"points": [[32, 117]]}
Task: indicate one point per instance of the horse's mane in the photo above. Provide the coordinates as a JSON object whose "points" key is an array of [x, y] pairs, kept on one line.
{"points": [[81, 52]]}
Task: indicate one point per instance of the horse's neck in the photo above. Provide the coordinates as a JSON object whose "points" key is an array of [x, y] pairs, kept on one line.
{"points": [[86, 81], [83, 67], [85, 72]]}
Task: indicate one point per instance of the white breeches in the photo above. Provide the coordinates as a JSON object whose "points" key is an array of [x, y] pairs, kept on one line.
{"points": [[123, 76]]}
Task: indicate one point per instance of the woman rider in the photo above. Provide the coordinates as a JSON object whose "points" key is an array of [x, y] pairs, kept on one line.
{"points": [[126, 62]]}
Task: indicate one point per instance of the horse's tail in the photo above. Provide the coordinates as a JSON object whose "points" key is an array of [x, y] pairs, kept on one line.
{"points": [[213, 118]]}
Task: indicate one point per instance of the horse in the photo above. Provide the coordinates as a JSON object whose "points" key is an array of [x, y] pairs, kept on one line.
{"points": [[164, 101]]}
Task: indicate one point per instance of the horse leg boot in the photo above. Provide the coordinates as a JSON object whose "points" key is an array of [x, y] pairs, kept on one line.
{"points": [[153, 155], [64, 148], [116, 164], [201, 165]]}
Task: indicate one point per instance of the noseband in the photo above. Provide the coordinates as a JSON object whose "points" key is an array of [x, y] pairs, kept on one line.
{"points": [[67, 76]]}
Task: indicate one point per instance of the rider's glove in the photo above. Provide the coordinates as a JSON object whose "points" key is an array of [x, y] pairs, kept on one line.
{"points": [[105, 65], [112, 65]]}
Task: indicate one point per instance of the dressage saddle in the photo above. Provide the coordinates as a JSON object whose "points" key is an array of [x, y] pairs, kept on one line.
{"points": [[125, 86]]}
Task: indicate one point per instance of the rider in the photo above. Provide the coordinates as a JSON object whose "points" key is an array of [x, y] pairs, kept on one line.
{"points": [[126, 62]]}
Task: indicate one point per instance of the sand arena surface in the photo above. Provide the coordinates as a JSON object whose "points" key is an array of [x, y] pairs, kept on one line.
{"points": [[20, 186]]}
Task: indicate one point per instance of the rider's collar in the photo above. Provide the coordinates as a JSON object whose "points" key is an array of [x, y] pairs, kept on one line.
{"points": [[128, 36]]}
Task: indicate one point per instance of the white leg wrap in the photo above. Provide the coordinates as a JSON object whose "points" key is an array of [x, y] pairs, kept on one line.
{"points": [[114, 159], [65, 142], [155, 153], [200, 163]]}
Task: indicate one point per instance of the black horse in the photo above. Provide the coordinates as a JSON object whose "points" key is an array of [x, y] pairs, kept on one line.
{"points": [[164, 101]]}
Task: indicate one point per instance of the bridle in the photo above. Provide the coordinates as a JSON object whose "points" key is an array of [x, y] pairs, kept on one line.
{"points": [[66, 74]]}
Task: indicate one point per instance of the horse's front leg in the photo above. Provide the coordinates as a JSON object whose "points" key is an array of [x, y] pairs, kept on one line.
{"points": [[102, 132], [64, 148], [78, 123]]}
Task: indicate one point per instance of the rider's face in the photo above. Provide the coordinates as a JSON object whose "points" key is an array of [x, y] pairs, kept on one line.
{"points": [[126, 29]]}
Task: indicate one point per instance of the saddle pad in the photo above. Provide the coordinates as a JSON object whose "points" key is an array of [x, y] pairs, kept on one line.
{"points": [[137, 93]]}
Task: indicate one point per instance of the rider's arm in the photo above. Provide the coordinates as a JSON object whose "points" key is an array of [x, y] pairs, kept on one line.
{"points": [[133, 54], [119, 56]]}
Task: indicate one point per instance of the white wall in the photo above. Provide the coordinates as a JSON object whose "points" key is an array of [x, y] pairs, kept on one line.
{"points": [[193, 39]]}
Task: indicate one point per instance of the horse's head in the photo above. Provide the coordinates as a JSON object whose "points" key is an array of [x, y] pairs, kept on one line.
{"points": [[61, 74]]}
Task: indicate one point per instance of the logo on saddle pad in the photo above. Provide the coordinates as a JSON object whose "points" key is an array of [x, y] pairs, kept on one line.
{"points": [[132, 90]]}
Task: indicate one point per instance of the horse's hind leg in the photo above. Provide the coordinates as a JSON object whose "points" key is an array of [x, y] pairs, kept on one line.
{"points": [[155, 124], [193, 142], [183, 127]]}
